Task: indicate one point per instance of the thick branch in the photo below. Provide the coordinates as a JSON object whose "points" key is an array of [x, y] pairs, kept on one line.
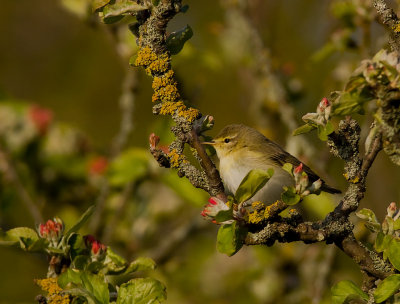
{"points": [[389, 18]]}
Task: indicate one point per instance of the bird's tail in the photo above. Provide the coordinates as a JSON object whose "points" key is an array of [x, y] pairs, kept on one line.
{"points": [[329, 189]]}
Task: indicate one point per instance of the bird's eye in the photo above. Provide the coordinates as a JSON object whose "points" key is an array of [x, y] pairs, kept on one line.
{"points": [[226, 140]]}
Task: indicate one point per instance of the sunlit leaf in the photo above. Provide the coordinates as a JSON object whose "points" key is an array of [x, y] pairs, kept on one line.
{"points": [[142, 291], [346, 290], [304, 129], [230, 238], [289, 196], [252, 182], [82, 220], [141, 264], [387, 288], [393, 253]]}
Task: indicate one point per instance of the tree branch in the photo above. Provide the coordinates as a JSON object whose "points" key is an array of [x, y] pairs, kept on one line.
{"points": [[389, 18]]}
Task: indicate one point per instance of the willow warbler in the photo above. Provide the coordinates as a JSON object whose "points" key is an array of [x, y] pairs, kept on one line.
{"points": [[241, 149]]}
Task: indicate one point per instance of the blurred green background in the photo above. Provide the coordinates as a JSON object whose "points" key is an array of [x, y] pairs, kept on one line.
{"points": [[53, 57]]}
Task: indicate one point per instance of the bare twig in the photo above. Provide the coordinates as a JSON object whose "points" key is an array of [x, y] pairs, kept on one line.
{"points": [[11, 174]]}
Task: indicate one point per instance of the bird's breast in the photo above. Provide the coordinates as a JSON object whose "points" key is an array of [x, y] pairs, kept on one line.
{"points": [[234, 169]]}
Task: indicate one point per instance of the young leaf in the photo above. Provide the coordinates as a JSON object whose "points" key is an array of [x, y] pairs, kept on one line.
{"points": [[304, 129], [369, 216], [176, 40], [69, 277], [393, 253], [387, 288], [97, 4], [252, 182], [141, 264], [116, 11], [230, 238], [288, 168], [81, 221], [382, 241], [96, 286], [224, 215], [142, 291], [26, 237], [114, 262], [345, 290], [289, 196], [324, 131]]}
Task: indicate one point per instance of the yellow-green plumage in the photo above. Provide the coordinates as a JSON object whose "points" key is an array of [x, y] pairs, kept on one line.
{"points": [[241, 149]]}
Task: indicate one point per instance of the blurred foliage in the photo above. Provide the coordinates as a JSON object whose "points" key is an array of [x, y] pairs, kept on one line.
{"points": [[60, 82]]}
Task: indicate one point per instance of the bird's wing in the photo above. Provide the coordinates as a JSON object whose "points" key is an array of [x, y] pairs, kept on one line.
{"points": [[280, 157]]}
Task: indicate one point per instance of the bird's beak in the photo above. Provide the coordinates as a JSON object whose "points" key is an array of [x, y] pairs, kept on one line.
{"points": [[211, 143]]}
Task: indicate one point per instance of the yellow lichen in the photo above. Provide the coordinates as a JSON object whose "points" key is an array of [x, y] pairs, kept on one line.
{"points": [[175, 159], [396, 28], [169, 107], [161, 64], [55, 295], [168, 93], [257, 215], [190, 114], [164, 80], [354, 180], [145, 57]]}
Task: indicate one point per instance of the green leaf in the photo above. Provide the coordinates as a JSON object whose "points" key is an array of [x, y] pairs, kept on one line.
{"points": [[80, 262], [288, 168], [382, 241], [176, 40], [15, 234], [97, 4], [230, 238], [129, 166], [303, 129], [26, 237], [116, 11], [76, 244], [369, 216], [252, 182], [142, 291], [84, 283], [387, 288], [82, 220], [350, 103], [69, 277], [345, 290], [114, 262], [289, 196], [393, 253], [224, 215], [324, 131], [141, 264]]}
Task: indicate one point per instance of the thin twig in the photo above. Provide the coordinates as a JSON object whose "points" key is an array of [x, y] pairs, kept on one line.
{"points": [[11, 174], [389, 18]]}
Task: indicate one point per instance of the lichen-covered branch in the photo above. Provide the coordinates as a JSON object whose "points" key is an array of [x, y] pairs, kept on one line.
{"points": [[155, 58], [389, 18]]}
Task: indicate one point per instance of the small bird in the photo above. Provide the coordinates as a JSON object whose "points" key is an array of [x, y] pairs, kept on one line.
{"points": [[241, 149]]}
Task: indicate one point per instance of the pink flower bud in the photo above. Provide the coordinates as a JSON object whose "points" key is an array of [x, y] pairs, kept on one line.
{"points": [[154, 140], [96, 247], [214, 206], [43, 231], [298, 169]]}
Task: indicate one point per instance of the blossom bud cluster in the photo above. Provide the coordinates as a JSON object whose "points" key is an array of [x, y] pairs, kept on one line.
{"points": [[302, 183], [321, 117], [97, 249], [52, 230], [214, 206]]}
